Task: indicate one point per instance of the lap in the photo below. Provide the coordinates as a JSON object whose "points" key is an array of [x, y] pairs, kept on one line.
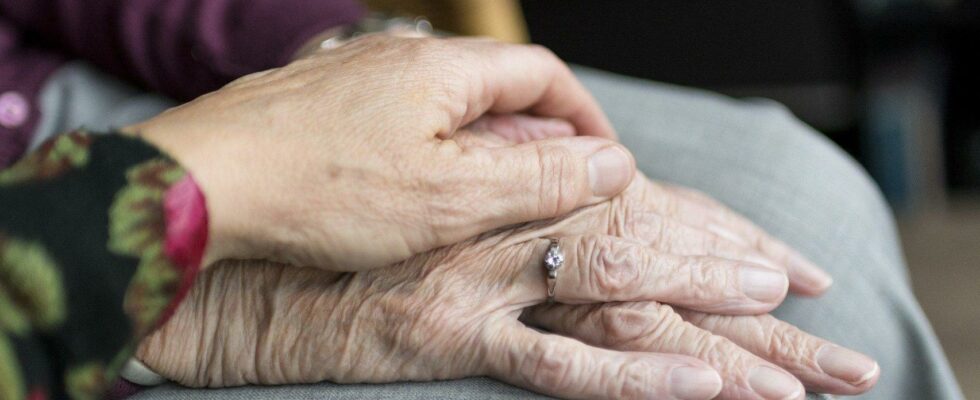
{"points": [[472, 388]]}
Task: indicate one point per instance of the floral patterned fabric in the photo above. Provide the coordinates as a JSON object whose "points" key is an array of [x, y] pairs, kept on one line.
{"points": [[100, 237]]}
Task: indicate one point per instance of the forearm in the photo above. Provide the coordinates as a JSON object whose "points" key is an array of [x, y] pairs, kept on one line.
{"points": [[100, 238]]}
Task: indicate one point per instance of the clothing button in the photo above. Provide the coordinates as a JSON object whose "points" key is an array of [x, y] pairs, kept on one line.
{"points": [[13, 109]]}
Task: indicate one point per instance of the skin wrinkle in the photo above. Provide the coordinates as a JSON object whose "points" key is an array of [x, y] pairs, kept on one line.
{"points": [[203, 345], [552, 366], [263, 340], [245, 308], [621, 267], [327, 314], [395, 347], [412, 337], [627, 373], [216, 356], [668, 335], [551, 201], [344, 333], [799, 352], [720, 355], [623, 326]]}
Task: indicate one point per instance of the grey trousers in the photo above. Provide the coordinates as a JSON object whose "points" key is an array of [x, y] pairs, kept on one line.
{"points": [[752, 155]]}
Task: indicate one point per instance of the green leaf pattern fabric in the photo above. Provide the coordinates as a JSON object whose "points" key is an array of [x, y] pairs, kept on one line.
{"points": [[83, 270], [137, 228]]}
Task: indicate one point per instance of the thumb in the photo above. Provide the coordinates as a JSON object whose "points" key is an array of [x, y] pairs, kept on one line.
{"points": [[544, 178], [521, 128]]}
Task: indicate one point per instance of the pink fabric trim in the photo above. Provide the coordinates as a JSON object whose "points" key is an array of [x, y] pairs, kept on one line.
{"points": [[186, 217]]}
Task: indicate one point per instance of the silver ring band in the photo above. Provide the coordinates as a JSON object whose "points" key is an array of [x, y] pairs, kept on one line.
{"points": [[553, 261]]}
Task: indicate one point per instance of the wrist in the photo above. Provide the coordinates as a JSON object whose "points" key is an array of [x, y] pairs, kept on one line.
{"points": [[192, 237]]}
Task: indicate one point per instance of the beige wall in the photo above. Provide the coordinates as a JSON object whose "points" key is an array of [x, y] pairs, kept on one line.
{"points": [[501, 19]]}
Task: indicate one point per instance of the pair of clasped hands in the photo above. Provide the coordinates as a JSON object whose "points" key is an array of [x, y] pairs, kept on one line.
{"points": [[396, 197]]}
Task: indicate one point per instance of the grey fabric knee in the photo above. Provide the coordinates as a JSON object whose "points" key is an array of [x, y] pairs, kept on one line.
{"points": [[761, 161]]}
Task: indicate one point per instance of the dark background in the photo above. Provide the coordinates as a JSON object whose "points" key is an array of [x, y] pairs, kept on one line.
{"points": [[893, 82]]}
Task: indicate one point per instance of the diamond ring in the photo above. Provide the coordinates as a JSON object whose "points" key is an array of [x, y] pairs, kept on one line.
{"points": [[553, 260]]}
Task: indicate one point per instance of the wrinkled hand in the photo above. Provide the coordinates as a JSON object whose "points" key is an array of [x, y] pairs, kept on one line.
{"points": [[345, 160], [750, 352], [452, 313]]}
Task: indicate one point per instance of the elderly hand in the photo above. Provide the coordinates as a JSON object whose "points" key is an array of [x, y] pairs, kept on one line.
{"points": [[446, 314], [452, 313], [346, 160], [683, 221]]}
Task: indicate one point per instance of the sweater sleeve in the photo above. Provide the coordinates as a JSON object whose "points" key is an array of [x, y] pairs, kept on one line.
{"points": [[182, 48], [101, 236], [23, 72]]}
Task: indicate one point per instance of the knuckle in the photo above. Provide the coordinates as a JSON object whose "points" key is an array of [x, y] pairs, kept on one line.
{"points": [[721, 353], [701, 343], [560, 181], [628, 220], [625, 327], [549, 365], [709, 280], [636, 381], [787, 345], [612, 269]]}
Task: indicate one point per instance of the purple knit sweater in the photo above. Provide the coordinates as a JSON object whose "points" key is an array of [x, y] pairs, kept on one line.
{"points": [[182, 48]]}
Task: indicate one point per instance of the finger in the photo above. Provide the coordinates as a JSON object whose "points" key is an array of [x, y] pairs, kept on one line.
{"points": [[821, 365], [703, 212], [653, 327], [636, 222], [605, 268], [669, 235], [520, 128], [526, 182], [567, 368], [528, 78]]}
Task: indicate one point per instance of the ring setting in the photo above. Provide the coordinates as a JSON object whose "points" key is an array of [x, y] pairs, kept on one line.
{"points": [[553, 261]]}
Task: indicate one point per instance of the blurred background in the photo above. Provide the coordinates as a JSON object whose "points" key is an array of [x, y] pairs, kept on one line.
{"points": [[894, 82]]}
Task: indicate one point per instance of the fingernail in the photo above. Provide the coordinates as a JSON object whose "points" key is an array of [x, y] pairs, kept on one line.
{"points": [[811, 274], [610, 170], [846, 365], [763, 284], [693, 383], [773, 384]]}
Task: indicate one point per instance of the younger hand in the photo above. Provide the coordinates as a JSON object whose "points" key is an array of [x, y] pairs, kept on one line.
{"points": [[346, 160]]}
